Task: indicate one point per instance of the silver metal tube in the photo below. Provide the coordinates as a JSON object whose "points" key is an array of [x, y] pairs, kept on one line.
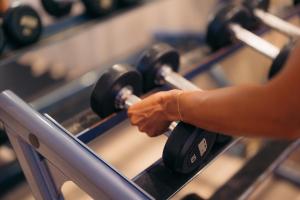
{"points": [[126, 98], [64, 151], [277, 23], [175, 80], [254, 41]]}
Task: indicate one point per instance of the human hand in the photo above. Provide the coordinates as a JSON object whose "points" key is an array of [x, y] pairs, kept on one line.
{"points": [[154, 114]]}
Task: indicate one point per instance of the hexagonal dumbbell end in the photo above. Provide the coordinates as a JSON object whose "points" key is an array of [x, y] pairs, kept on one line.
{"points": [[104, 95], [22, 25], [218, 33], [153, 59], [57, 8]]}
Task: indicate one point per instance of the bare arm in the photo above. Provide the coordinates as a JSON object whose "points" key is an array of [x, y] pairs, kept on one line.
{"points": [[271, 110]]}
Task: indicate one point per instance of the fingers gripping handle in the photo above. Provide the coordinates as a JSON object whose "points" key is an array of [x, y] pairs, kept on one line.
{"points": [[126, 98]]}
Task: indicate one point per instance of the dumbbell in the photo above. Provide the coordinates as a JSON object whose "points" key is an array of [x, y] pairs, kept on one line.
{"points": [[159, 66], [258, 9], [21, 24], [231, 22], [57, 8], [118, 89], [94, 8]]}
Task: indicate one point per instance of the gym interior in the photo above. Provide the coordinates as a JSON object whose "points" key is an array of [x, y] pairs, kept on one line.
{"points": [[71, 69]]}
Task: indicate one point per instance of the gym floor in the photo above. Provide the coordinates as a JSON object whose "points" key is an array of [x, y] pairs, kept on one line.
{"points": [[130, 151]]}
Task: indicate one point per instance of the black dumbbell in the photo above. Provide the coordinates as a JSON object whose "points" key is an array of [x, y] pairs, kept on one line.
{"points": [[231, 22], [94, 8], [118, 89], [22, 25], [159, 66], [258, 9], [57, 8]]}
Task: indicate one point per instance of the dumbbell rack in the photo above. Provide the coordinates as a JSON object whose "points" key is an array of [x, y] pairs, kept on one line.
{"points": [[53, 33], [50, 155], [65, 28]]}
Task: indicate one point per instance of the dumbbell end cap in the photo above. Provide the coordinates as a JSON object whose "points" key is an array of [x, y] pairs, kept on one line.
{"points": [[153, 59], [103, 97]]}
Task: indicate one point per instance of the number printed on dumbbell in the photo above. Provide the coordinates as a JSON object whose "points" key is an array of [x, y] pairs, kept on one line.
{"points": [[202, 146], [193, 158]]}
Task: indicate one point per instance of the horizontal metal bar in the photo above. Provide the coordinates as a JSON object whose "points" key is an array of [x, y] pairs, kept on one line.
{"points": [[255, 42], [277, 23]]}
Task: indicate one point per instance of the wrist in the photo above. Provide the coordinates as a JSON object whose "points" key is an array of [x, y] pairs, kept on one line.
{"points": [[171, 105]]}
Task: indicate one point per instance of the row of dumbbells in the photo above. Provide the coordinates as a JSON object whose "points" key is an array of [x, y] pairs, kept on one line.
{"points": [[94, 8], [120, 87], [234, 22], [22, 25]]}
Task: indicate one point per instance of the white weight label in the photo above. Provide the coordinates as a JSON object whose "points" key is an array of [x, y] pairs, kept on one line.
{"points": [[29, 21], [202, 146], [193, 158]]}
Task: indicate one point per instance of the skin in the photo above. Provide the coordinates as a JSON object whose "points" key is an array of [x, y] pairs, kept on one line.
{"points": [[271, 110], [4, 5]]}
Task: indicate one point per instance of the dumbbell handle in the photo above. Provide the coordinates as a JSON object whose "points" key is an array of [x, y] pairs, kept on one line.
{"points": [[277, 23], [126, 98], [173, 79], [254, 41]]}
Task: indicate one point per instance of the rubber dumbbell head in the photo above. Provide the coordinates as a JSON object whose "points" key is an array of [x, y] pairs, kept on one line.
{"points": [[153, 59], [279, 62], [98, 8], [187, 147], [57, 8], [218, 33], [103, 98], [22, 25]]}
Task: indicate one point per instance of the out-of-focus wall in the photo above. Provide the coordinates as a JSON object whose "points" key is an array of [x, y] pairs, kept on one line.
{"points": [[79, 51]]}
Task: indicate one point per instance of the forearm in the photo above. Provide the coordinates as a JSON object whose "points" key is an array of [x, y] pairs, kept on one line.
{"points": [[241, 110]]}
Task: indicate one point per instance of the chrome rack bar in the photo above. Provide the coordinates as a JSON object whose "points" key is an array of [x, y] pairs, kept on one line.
{"points": [[36, 139]]}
